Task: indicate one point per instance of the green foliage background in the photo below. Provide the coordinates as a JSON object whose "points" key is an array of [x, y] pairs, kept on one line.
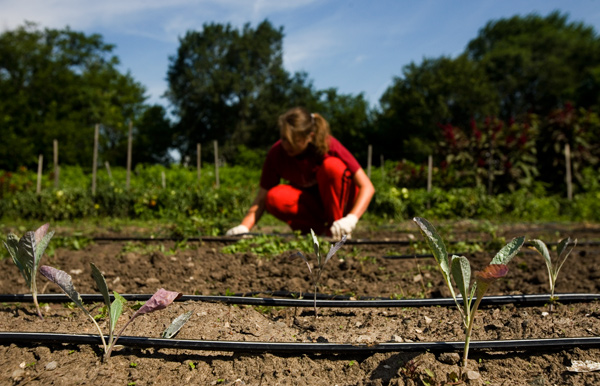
{"points": [[208, 210], [496, 119]]}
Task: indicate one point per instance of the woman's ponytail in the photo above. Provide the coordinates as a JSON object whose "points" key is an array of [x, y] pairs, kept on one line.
{"points": [[298, 121]]}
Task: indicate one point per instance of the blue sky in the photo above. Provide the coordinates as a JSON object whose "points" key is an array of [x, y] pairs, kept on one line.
{"points": [[354, 46]]}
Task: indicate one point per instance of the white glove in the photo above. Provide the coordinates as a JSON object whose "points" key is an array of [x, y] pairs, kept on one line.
{"points": [[343, 226], [238, 230]]}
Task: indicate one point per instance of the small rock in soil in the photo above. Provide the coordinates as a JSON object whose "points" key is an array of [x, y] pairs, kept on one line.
{"points": [[17, 374], [473, 375], [449, 358], [51, 366]]}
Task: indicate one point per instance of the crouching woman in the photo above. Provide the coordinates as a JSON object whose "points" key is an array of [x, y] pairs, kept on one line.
{"points": [[327, 190]]}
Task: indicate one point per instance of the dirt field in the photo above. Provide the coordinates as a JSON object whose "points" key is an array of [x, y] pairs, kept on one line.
{"points": [[358, 270]]}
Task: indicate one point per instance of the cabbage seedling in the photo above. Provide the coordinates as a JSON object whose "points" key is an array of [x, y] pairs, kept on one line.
{"points": [[27, 253], [563, 251], [317, 269], [459, 269], [161, 299]]}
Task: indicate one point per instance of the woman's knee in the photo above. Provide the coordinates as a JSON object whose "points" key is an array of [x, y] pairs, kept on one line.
{"points": [[281, 198], [332, 167]]}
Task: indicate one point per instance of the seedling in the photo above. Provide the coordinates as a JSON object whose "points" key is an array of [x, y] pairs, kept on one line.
{"points": [[161, 299], [27, 253], [563, 251], [176, 325], [459, 269], [316, 270]]}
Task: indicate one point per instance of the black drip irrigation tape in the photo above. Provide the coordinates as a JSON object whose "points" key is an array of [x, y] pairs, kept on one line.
{"points": [[233, 239], [521, 300], [301, 348]]}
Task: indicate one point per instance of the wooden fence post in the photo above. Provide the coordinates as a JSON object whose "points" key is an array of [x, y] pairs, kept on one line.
{"points": [[217, 163], [568, 177], [55, 143], [95, 158], [38, 189], [429, 172], [108, 169], [198, 159], [129, 143], [369, 157]]}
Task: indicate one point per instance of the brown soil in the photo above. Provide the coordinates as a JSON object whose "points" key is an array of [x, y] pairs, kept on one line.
{"points": [[358, 270]]}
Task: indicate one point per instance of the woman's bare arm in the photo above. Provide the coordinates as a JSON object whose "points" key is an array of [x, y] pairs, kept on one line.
{"points": [[256, 210]]}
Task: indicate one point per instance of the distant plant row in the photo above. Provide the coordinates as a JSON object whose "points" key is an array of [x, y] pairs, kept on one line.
{"points": [[176, 193]]}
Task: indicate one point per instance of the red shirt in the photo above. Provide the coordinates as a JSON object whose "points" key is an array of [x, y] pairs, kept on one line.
{"points": [[300, 170]]}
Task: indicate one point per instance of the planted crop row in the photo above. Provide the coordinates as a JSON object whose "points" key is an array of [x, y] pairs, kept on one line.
{"points": [[27, 251], [185, 198]]}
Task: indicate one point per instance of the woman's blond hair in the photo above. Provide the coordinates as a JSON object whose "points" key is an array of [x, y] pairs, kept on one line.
{"points": [[298, 122]]}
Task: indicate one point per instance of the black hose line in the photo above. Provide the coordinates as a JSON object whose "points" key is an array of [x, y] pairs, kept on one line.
{"points": [[524, 300], [233, 239], [297, 348]]}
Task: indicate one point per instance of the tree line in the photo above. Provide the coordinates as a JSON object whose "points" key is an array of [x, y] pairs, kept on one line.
{"points": [[229, 85]]}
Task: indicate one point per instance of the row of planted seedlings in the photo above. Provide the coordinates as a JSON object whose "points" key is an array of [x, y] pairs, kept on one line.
{"points": [[27, 251]]}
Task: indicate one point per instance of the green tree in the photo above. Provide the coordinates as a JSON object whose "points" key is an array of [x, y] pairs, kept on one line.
{"points": [[444, 90], [217, 77], [537, 64], [230, 85], [56, 84]]}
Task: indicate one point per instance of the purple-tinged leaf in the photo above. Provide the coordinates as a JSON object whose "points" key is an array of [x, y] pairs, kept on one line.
{"points": [[41, 232], [40, 247], [492, 272], [335, 248], [161, 299], [64, 281], [301, 255]]}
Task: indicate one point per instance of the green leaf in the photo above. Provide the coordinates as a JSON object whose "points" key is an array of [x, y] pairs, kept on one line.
{"points": [[26, 255], [316, 246], [101, 284], [564, 251], [461, 272], [176, 325], [436, 244], [543, 250], [12, 246], [115, 310], [508, 251]]}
